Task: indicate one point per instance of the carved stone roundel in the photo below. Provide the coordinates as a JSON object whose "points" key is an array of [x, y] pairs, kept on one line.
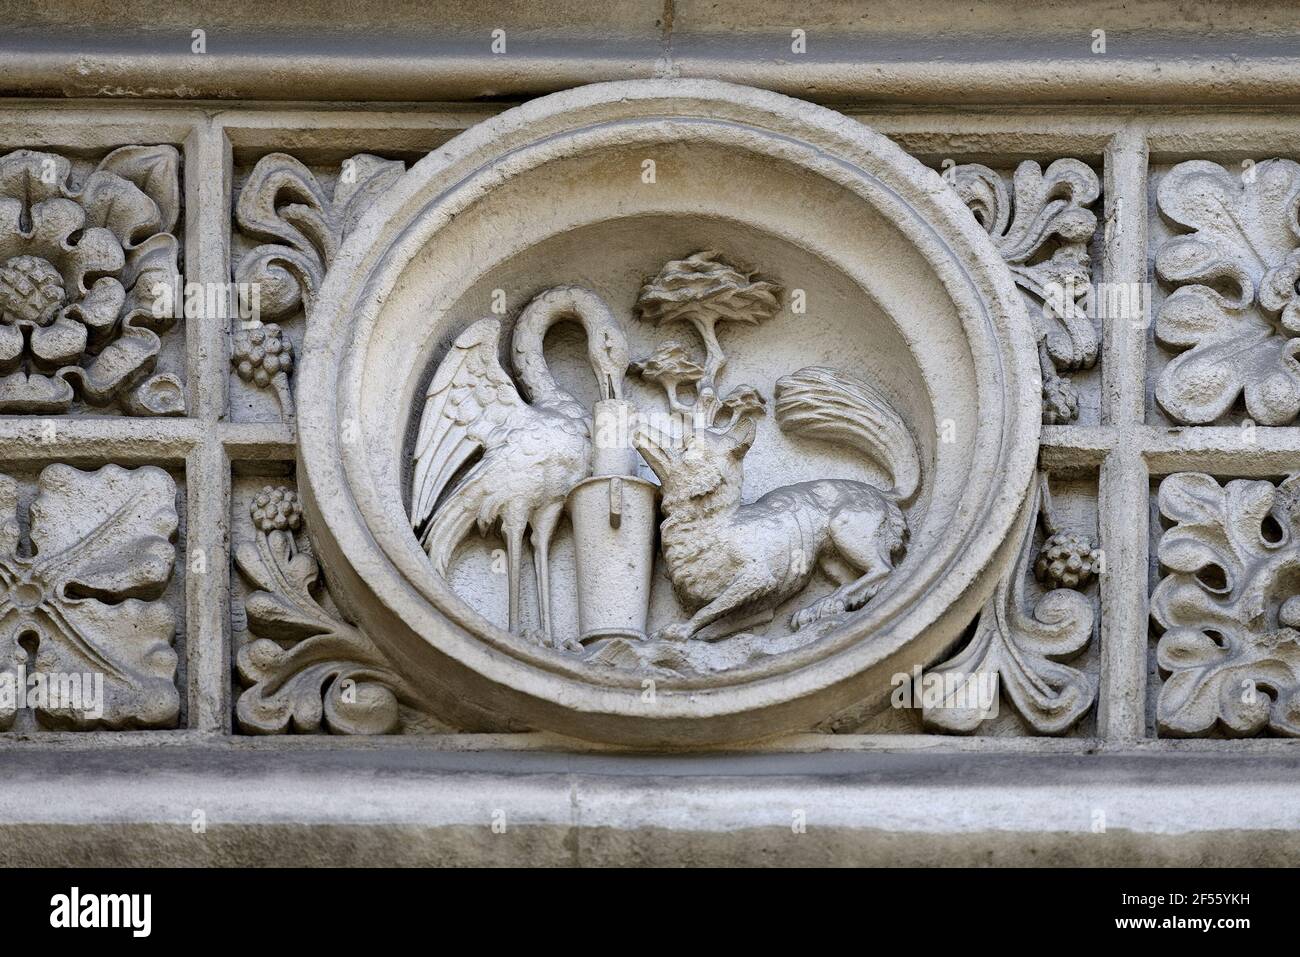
{"points": [[820, 380]]}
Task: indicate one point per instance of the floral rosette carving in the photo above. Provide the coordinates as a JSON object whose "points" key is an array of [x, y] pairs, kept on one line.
{"points": [[1044, 211], [81, 274], [1229, 607], [1233, 313], [306, 670], [86, 601]]}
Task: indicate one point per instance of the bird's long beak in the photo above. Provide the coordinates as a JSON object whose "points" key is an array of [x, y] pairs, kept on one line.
{"points": [[609, 359]]}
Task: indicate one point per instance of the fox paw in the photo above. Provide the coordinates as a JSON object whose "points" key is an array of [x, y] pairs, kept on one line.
{"points": [[678, 632], [828, 607]]}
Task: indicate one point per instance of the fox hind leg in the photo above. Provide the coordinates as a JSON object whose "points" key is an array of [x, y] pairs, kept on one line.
{"points": [[859, 564], [859, 540]]}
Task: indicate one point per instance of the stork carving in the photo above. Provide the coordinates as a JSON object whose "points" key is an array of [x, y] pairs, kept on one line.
{"points": [[532, 449]]}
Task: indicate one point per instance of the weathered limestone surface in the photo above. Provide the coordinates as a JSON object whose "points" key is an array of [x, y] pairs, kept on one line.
{"points": [[417, 808], [649, 434]]}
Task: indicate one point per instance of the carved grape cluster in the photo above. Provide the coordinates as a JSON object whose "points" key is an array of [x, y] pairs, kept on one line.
{"points": [[1060, 401], [277, 509], [261, 353], [1067, 560]]}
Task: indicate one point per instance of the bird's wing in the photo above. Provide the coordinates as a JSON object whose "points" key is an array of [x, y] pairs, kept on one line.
{"points": [[470, 396]]}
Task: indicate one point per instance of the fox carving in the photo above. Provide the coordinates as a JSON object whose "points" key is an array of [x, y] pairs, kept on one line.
{"points": [[732, 564]]}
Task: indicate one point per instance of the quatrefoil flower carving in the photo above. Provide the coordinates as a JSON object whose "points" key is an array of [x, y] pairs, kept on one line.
{"points": [[86, 594], [81, 271], [1233, 315]]}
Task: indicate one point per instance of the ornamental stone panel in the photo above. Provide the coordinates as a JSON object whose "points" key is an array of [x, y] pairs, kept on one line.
{"points": [[738, 431]]}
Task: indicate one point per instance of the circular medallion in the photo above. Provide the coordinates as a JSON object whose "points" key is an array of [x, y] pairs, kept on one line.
{"points": [[665, 412]]}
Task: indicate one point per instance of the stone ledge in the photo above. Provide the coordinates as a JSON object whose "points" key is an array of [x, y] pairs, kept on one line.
{"points": [[83, 68], [413, 807], [1161, 51]]}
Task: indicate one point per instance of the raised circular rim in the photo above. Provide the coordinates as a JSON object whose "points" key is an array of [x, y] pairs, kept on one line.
{"points": [[358, 531]]}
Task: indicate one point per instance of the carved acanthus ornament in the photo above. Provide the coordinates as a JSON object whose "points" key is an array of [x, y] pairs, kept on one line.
{"points": [[1234, 313], [1045, 212], [306, 670], [89, 278], [1022, 645], [83, 598], [300, 225], [1229, 607]]}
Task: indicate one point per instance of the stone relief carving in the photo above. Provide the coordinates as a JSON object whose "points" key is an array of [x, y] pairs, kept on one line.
{"points": [[732, 563], [82, 597], [307, 670], [1025, 643], [1233, 314], [1227, 606], [263, 357], [876, 541], [89, 278], [299, 225], [1045, 212], [485, 457], [532, 453]]}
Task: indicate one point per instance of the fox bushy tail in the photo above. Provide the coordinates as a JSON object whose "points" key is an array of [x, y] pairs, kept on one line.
{"points": [[821, 403]]}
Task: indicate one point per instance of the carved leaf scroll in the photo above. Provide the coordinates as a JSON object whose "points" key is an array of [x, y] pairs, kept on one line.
{"points": [[301, 224], [1228, 606], [1233, 315], [1026, 650], [307, 670], [1044, 211]]}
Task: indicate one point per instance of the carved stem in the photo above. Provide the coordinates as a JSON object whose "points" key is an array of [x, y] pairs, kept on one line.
{"points": [[1046, 512], [280, 382]]}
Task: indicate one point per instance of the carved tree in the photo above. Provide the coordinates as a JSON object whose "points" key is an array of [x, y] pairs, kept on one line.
{"points": [[88, 280], [1233, 313], [703, 291], [1229, 607], [1049, 212]]}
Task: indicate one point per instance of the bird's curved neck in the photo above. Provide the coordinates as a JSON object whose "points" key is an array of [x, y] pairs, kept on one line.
{"points": [[553, 306]]}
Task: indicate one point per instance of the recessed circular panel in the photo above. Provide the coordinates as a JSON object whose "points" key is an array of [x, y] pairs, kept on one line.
{"points": [[884, 278]]}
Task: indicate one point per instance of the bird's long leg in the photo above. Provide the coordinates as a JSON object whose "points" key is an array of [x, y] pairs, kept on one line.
{"points": [[514, 536], [544, 522]]}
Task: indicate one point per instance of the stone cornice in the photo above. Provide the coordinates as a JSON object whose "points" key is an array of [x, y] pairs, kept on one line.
{"points": [[1159, 52]]}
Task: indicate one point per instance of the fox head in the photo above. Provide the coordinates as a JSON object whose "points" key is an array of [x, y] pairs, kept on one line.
{"points": [[701, 463]]}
